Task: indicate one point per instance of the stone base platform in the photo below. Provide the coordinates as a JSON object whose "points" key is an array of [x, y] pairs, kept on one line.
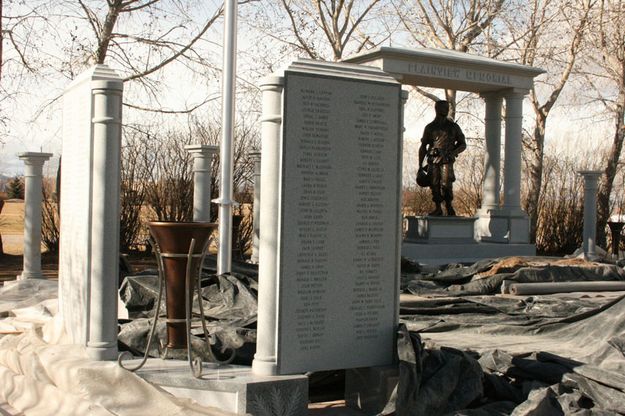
{"points": [[438, 254], [443, 240], [440, 230], [231, 388]]}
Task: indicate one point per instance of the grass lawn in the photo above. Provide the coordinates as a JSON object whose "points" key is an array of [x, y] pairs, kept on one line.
{"points": [[12, 218]]}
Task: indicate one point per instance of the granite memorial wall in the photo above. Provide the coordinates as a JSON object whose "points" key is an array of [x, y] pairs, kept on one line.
{"points": [[339, 218]]}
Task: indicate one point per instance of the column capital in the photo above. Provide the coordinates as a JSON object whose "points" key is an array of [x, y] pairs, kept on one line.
{"points": [[202, 150], [492, 95], [404, 95], [272, 82], [591, 178], [255, 154], [512, 93], [34, 158], [590, 174]]}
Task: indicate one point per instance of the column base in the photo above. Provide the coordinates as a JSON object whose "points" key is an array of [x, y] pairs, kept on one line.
{"points": [[502, 225], [264, 367], [30, 275], [100, 351], [492, 225]]}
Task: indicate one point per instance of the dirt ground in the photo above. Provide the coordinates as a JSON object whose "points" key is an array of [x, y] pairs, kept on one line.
{"points": [[12, 232], [11, 265]]}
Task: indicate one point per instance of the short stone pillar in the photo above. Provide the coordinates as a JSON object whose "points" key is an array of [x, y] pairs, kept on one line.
{"points": [[591, 185], [271, 126], [255, 155], [32, 213], [202, 159]]}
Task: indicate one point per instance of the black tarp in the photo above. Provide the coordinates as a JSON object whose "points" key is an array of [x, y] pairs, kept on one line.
{"points": [[581, 375]]}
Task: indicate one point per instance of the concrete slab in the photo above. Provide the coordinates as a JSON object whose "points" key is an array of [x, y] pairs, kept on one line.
{"points": [[231, 388]]}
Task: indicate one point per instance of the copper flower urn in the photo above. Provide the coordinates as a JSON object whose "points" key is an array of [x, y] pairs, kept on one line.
{"points": [[173, 240]]}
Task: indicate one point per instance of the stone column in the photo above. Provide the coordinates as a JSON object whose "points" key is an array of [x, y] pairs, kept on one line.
{"points": [[32, 213], [106, 165], [492, 151], [591, 185], [518, 222], [512, 164], [202, 159], [265, 359], [492, 224], [255, 155]]}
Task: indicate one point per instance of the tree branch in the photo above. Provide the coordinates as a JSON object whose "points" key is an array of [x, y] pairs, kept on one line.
{"points": [[179, 53]]}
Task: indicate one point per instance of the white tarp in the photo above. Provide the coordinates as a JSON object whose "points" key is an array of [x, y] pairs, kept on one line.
{"points": [[41, 375]]}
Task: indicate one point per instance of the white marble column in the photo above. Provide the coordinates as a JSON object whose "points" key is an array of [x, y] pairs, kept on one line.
{"points": [[518, 221], [106, 165], [32, 213], [255, 155], [202, 159], [513, 149], [492, 151], [492, 224], [591, 186], [265, 359]]}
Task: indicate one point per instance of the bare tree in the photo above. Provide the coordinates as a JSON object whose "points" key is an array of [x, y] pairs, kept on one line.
{"points": [[321, 29], [470, 177], [132, 191], [461, 25], [561, 223], [141, 37], [550, 37], [50, 222], [606, 76], [16, 25], [1, 37], [21, 50]]}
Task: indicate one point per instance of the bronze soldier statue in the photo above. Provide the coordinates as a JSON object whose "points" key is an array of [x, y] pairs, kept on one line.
{"points": [[442, 142]]}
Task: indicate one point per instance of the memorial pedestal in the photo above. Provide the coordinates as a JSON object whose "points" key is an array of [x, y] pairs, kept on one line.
{"points": [[441, 230], [492, 226], [444, 240], [230, 388], [519, 224]]}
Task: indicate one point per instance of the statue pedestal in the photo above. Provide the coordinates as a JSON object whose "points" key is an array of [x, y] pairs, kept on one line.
{"points": [[444, 240], [440, 230], [501, 226]]}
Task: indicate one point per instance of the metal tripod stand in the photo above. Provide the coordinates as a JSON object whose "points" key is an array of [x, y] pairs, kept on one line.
{"points": [[195, 364]]}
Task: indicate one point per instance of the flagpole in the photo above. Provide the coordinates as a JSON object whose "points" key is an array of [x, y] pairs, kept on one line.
{"points": [[225, 202]]}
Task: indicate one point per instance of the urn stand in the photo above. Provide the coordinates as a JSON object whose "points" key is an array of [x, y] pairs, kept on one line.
{"points": [[180, 248]]}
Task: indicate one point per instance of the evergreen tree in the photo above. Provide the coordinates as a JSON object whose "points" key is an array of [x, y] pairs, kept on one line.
{"points": [[15, 189]]}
